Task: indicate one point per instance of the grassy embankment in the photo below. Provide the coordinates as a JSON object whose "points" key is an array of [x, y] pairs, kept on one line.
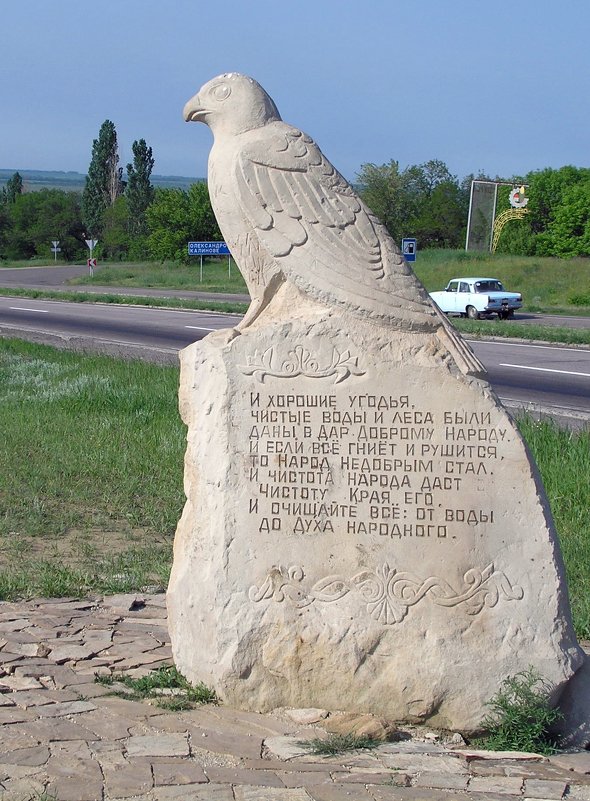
{"points": [[91, 463]]}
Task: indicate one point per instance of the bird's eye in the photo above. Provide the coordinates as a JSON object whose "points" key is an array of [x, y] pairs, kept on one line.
{"points": [[222, 91]]}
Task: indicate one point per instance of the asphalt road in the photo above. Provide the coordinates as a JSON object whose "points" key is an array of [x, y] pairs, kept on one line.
{"points": [[56, 278], [539, 377]]}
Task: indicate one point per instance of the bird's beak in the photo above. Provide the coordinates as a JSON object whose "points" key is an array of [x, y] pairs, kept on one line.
{"points": [[193, 110]]}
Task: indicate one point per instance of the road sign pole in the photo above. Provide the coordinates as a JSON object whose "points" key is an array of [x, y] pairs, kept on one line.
{"points": [[91, 243], [229, 266], [201, 269]]}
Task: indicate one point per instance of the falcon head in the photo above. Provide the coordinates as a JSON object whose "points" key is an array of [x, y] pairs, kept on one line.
{"points": [[231, 103]]}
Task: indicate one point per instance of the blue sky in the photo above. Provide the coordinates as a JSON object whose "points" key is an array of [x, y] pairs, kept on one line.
{"points": [[499, 86]]}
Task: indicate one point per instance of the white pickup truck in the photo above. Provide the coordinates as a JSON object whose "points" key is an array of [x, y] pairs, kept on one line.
{"points": [[477, 297]]}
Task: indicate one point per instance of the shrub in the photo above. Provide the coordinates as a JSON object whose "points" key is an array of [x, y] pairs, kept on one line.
{"points": [[521, 715]]}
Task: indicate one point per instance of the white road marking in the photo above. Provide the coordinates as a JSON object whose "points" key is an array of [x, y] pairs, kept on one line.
{"points": [[22, 308], [518, 345], [200, 328], [544, 369]]}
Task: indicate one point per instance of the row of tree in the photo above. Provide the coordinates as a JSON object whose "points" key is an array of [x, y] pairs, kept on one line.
{"points": [[132, 220]]}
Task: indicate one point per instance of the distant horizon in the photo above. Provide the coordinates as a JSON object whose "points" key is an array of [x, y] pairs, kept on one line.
{"points": [[23, 170]]}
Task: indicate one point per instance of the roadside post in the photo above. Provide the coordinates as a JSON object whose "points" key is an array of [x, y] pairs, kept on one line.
{"points": [[91, 262], [409, 248], [209, 249], [55, 248]]}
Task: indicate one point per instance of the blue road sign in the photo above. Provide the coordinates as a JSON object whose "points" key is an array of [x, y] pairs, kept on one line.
{"points": [[409, 248], [208, 249]]}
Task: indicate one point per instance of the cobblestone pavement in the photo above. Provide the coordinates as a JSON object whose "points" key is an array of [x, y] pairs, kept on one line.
{"points": [[63, 736]]}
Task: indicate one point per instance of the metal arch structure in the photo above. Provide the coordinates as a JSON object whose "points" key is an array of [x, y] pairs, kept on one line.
{"points": [[501, 220]]}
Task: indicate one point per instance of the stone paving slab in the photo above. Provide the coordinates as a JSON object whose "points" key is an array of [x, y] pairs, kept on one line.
{"points": [[63, 734]]}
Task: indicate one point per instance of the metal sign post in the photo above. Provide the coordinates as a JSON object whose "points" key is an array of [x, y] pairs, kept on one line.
{"points": [[209, 249], [92, 243], [55, 248]]}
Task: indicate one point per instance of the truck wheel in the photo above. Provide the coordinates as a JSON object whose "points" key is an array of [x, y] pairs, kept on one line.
{"points": [[472, 313]]}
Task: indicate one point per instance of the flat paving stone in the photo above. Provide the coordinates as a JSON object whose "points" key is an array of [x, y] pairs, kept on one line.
{"points": [[158, 745], [285, 748], [579, 792], [106, 726], [424, 763], [185, 772], [194, 792], [384, 793], [20, 789], [496, 784], [56, 730], [538, 788], [305, 778], [579, 762], [13, 714], [67, 708], [226, 742], [442, 781], [338, 792], [125, 781], [35, 756], [367, 777], [223, 775], [267, 794]]}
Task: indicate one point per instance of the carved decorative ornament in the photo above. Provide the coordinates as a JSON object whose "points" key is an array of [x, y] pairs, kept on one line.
{"points": [[389, 594], [301, 362]]}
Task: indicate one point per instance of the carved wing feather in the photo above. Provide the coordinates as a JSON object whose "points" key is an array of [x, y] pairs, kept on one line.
{"points": [[317, 229]]}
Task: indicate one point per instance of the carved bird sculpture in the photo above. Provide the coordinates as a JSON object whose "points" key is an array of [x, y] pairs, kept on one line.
{"points": [[288, 215]]}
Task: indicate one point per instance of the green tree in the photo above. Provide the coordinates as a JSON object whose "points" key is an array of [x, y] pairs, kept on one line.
{"points": [[37, 218], [104, 180], [115, 241], [139, 191], [442, 217], [177, 217], [424, 200], [5, 226], [13, 188], [545, 192], [383, 190], [568, 233]]}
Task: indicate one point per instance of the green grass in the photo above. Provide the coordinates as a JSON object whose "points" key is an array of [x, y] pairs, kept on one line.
{"points": [[336, 744], [90, 471], [37, 261], [136, 300], [547, 284], [521, 716], [563, 458], [168, 275], [478, 329], [184, 696]]}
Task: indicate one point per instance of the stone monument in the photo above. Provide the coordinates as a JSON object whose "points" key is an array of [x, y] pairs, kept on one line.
{"points": [[364, 528]]}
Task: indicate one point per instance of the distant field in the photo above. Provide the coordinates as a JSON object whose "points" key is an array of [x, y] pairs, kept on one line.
{"points": [[74, 181]]}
